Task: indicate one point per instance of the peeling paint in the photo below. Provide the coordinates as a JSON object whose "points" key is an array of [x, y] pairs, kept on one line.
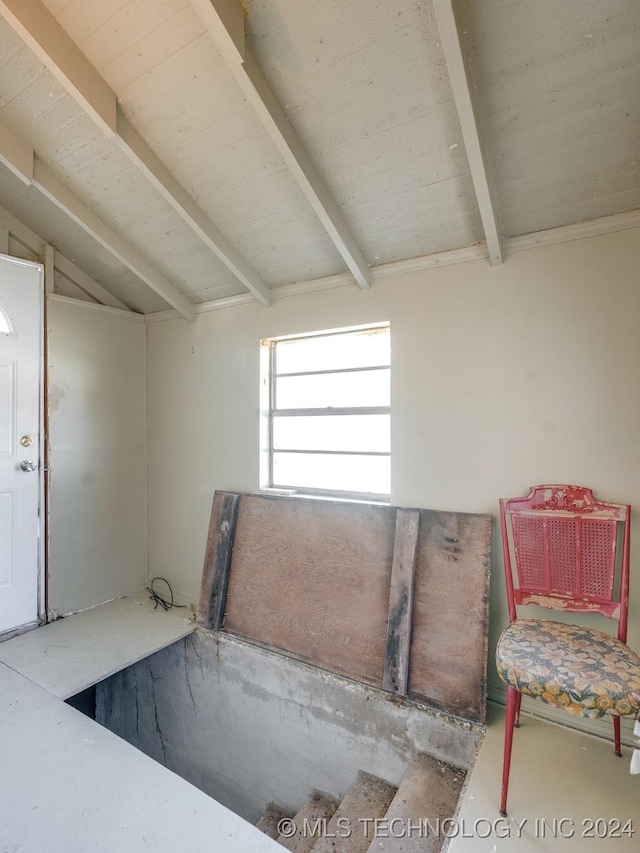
{"points": [[56, 394]]}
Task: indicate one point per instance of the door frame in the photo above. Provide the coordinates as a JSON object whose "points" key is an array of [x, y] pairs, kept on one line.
{"points": [[43, 450]]}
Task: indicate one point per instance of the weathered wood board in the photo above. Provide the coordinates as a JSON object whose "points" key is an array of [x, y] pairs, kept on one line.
{"points": [[206, 584], [450, 613], [222, 559], [344, 586], [399, 622], [311, 578]]}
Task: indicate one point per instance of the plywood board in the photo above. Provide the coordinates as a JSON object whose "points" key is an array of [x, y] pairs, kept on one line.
{"points": [[66, 783], [450, 613], [346, 587], [311, 578], [72, 654]]}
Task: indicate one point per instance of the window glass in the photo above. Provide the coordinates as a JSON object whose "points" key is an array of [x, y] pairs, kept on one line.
{"points": [[352, 474], [323, 390], [329, 413], [5, 324], [346, 433], [368, 348]]}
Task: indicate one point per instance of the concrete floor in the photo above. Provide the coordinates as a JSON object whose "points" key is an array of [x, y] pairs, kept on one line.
{"points": [[566, 790]]}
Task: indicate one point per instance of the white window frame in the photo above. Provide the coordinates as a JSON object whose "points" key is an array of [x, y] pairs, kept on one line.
{"points": [[269, 411]]}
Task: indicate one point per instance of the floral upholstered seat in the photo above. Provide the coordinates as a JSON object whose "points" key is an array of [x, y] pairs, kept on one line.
{"points": [[586, 672]]}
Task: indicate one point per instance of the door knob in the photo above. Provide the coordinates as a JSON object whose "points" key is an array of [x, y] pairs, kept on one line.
{"points": [[28, 465]]}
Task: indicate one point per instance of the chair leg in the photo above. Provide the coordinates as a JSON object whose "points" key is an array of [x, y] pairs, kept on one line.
{"points": [[616, 736], [512, 702], [516, 722]]}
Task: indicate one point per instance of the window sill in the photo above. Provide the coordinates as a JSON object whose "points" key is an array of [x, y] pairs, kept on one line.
{"points": [[309, 495]]}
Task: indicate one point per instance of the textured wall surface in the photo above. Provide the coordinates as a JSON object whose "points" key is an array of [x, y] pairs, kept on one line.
{"points": [[248, 726], [500, 379], [97, 523]]}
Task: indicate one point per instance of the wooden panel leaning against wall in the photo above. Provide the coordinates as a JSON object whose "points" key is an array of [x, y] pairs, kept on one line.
{"points": [[330, 583]]}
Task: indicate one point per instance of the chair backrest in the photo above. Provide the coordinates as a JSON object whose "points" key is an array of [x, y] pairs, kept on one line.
{"points": [[563, 544]]}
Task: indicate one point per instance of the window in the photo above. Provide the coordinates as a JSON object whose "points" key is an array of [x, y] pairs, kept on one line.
{"points": [[328, 420], [5, 323]]}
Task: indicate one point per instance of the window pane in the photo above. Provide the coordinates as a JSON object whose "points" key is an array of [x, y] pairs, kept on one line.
{"points": [[368, 348], [358, 433], [368, 474], [369, 388], [5, 324]]}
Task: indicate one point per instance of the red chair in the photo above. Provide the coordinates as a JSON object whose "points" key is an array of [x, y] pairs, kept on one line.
{"points": [[563, 544]]}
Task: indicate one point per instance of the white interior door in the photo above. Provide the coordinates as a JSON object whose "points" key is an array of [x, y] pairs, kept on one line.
{"points": [[21, 295]]}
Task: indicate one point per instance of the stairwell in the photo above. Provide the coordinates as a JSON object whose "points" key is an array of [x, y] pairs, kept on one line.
{"points": [[374, 816]]}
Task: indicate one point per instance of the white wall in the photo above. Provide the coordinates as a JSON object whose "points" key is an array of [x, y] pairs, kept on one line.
{"points": [[501, 379], [97, 521]]}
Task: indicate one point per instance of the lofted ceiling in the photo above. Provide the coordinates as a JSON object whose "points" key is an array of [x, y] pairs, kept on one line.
{"points": [[272, 141]]}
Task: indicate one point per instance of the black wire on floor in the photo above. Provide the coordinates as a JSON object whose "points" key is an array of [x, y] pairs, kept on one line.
{"points": [[154, 595]]}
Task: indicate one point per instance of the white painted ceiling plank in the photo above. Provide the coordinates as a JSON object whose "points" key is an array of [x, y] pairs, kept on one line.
{"points": [[65, 289], [260, 95], [222, 19], [33, 22], [463, 98], [9, 225], [73, 241], [370, 97], [85, 283], [16, 155], [38, 28], [61, 196], [65, 200], [157, 173]]}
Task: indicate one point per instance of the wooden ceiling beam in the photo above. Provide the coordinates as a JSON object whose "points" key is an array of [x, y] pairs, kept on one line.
{"points": [[20, 158], [38, 28], [157, 173], [224, 20], [40, 31], [463, 97], [63, 198], [16, 155], [11, 226], [64, 267]]}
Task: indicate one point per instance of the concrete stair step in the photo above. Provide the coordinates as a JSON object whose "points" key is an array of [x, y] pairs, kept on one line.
{"points": [[351, 828], [429, 791], [309, 822], [268, 823]]}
